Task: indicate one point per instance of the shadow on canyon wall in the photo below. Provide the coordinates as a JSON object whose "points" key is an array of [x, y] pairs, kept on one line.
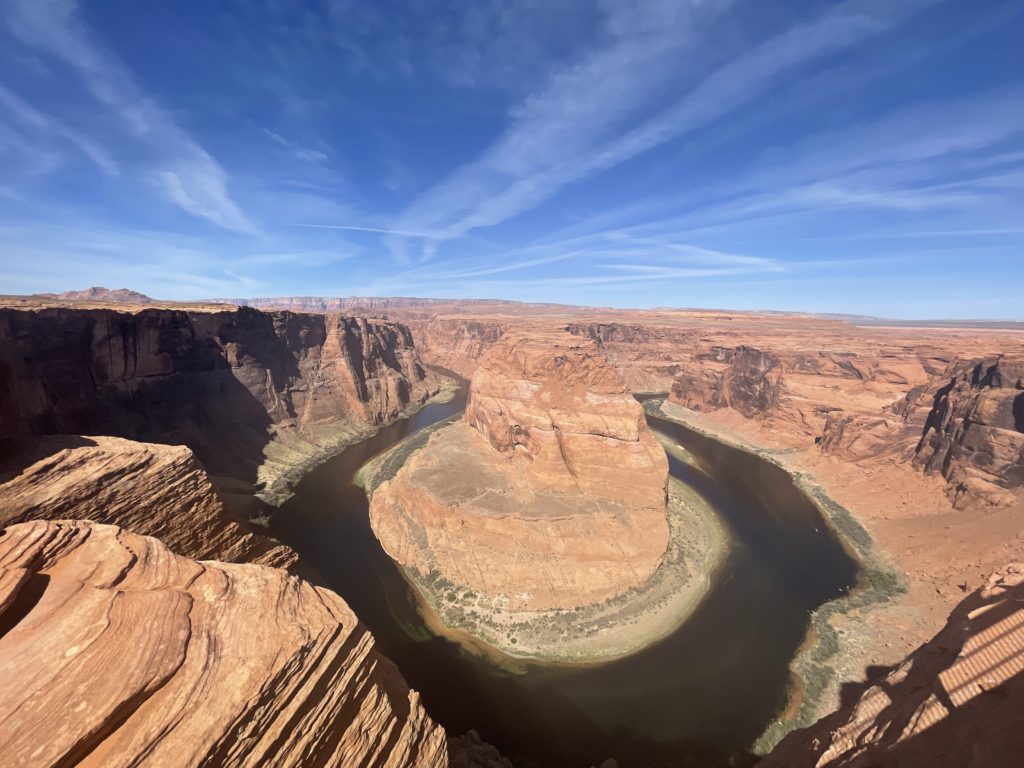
{"points": [[153, 377]]}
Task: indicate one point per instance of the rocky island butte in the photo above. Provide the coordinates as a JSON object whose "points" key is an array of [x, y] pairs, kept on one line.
{"points": [[533, 520]]}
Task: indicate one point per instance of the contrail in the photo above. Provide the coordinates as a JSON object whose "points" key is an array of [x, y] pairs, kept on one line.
{"points": [[401, 232]]}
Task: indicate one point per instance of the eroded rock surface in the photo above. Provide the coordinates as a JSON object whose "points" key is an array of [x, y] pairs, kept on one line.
{"points": [[258, 396], [745, 379], [956, 701], [966, 424], [146, 488], [116, 652], [974, 432], [549, 495], [553, 400]]}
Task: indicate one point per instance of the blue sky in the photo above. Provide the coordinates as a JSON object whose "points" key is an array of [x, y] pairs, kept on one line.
{"points": [[861, 156]]}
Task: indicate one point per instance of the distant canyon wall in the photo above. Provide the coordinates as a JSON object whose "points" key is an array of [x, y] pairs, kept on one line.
{"points": [[250, 392], [862, 394], [965, 424], [920, 403]]}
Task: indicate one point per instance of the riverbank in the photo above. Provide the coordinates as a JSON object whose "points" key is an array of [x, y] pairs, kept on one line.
{"points": [[941, 552], [631, 621], [291, 455], [843, 633]]}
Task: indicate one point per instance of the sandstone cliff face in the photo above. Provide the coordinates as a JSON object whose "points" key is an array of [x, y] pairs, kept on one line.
{"points": [[455, 343], [553, 400], [252, 393], [148, 489], [966, 423], [550, 494], [956, 701], [647, 356], [115, 652], [974, 433], [745, 379]]}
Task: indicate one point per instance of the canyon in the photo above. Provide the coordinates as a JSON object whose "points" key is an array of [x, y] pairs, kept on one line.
{"points": [[191, 423], [898, 423], [258, 397]]}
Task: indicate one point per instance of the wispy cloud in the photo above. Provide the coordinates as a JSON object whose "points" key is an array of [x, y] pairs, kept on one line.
{"points": [[185, 172], [353, 228], [38, 121], [297, 150], [576, 124]]}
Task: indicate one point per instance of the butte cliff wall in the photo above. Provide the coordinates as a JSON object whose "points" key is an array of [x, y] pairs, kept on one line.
{"points": [[257, 396], [544, 505], [554, 402], [116, 652]]}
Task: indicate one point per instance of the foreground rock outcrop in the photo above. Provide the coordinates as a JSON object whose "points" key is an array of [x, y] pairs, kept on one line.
{"points": [[257, 396], [550, 494], [146, 488], [115, 652], [956, 701]]}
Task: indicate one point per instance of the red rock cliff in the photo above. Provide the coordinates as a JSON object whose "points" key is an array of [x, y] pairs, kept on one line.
{"points": [[252, 393]]}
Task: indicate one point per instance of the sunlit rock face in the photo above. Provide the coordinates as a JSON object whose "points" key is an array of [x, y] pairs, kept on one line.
{"points": [[550, 493], [116, 652], [965, 424], [554, 402], [745, 379]]}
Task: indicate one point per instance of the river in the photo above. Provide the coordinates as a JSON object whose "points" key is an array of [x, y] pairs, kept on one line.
{"points": [[703, 693]]}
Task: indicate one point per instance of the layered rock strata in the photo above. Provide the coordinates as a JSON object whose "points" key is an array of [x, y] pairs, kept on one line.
{"points": [[146, 488], [965, 424], [956, 701], [257, 396], [554, 402], [116, 652], [550, 494], [745, 379]]}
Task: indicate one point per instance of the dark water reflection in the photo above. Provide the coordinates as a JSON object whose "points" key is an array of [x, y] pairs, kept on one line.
{"points": [[704, 692]]}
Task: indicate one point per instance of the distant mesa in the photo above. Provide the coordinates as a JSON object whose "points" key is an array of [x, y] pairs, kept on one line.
{"points": [[97, 293]]}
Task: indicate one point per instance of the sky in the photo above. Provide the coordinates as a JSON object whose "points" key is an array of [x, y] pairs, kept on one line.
{"points": [[864, 156]]}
